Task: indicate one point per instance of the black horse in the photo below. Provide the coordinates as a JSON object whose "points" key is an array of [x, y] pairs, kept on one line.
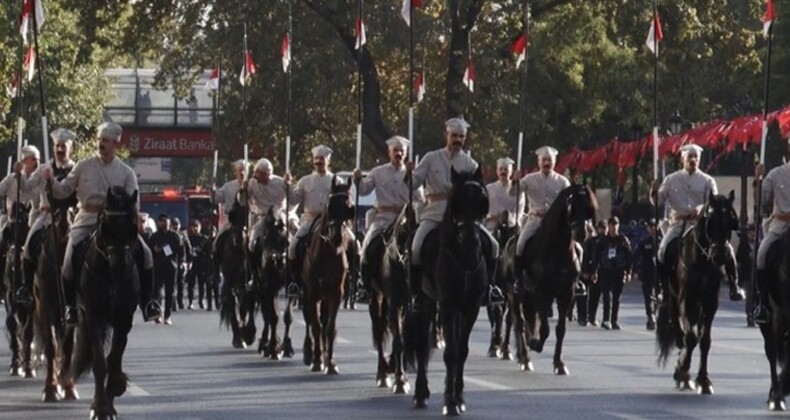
{"points": [[387, 256], [53, 337], [498, 307], [324, 275], [777, 330], [692, 294], [108, 291], [270, 251], [456, 278], [19, 305], [237, 310], [552, 263]]}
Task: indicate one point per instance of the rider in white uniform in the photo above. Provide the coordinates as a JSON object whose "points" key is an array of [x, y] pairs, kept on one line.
{"points": [[266, 192], [685, 192], [225, 196], [500, 200], [8, 188]]}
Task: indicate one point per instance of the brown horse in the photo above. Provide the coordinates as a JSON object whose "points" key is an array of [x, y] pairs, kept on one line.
{"points": [[324, 275], [52, 336]]}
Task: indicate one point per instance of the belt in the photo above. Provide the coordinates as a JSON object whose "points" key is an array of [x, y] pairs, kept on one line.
{"points": [[685, 218], [432, 198], [782, 217], [312, 213], [45, 209], [536, 214], [388, 209], [92, 208]]}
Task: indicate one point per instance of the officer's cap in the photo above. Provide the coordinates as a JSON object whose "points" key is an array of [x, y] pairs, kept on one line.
{"points": [[239, 164], [264, 165], [547, 151], [321, 151], [30, 151], [62, 135], [456, 125], [504, 162], [110, 131], [690, 148]]}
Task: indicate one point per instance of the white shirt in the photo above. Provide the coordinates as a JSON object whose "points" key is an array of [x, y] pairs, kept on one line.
{"points": [[226, 195], [311, 192], [387, 180], [541, 190], [501, 201], [684, 191], [266, 196]]}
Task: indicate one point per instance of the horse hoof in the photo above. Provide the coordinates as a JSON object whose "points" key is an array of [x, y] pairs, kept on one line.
{"points": [[420, 402], [462, 407], [686, 385], [30, 373], [288, 349], [276, 355], [492, 352], [527, 367], [52, 394], [401, 388], [316, 367], [451, 410], [381, 383], [15, 371], [535, 345], [561, 371], [331, 369], [505, 354], [238, 344], [71, 394], [776, 405], [262, 348], [706, 390]]}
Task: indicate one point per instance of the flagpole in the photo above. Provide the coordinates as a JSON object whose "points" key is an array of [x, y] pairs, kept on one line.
{"points": [[244, 100], [655, 133], [522, 112], [764, 137], [289, 80], [411, 85], [215, 126], [39, 69], [470, 68], [360, 116]]}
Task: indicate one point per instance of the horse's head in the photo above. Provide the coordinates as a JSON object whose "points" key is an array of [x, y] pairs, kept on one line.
{"points": [[404, 226], [338, 210], [468, 200], [61, 219], [237, 215], [504, 230], [117, 231], [582, 206], [275, 234], [717, 222], [20, 212]]}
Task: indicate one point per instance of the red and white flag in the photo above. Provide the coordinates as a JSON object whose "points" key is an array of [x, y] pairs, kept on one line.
{"points": [[655, 35], [28, 8], [469, 75], [419, 86], [213, 80], [248, 69], [359, 32], [768, 18], [285, 52], [519, 48], [29, 63], [405, 11]]}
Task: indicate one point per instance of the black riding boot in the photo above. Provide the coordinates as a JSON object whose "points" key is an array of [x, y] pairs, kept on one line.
{"points": [[495, 295], [736, 292], [149, 306], [294, 288], [23, 295], [761, 308], [72, 315]]}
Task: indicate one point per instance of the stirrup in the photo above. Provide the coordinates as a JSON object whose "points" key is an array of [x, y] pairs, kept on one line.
{"points": [[760, 314], [495, 295], [71, 316], [22, 296], [152, 311], [293, 290], [580, 289]]}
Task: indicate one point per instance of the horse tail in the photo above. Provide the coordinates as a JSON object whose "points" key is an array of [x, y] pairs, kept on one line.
{"points": [[82, 355], [664, 334]]}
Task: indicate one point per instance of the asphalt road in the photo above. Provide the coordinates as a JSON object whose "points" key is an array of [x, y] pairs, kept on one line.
{"points": [[189, 371]]}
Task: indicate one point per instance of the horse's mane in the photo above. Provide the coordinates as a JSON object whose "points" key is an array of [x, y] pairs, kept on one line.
{"points": [[557, 215]]}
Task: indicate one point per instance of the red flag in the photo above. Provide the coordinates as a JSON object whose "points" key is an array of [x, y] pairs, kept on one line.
{"points": [[655, 35], [248, 69], [29, 63], [359, 32], [213, 80], [768, 18], [405, 11], [419, 86], [469, 75], [285, 52], [28, 8], [519, 48]]}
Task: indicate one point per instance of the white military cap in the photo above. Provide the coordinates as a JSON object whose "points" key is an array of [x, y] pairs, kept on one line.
{"points": [[264, 165], [239, 164], [456, 125], [503, 162], [29, 151], [397, 141], [110, 131], [547, 151], [321, 151], [62, 134], [690, 148]]}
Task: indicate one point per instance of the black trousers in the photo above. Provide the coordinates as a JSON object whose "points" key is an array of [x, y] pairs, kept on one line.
{"points": [[197, 277], [165, 277], [649, 290], [611, 284]]}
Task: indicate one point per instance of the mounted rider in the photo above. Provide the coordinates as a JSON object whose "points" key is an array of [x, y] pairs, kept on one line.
{"points": [[91, 178], [60, 165], [225, 196], [776, 200], [434, 171], [685, 192], [500, 200], [312, 192], [265, 192], [391, 195]]}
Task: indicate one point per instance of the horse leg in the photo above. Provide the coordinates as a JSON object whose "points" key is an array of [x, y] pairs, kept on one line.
{"points": [[703, 379], [564, 305], [308, 307], [468, 323], [288, 349], [401, 384], [542, 308], [775, 395], [13, 343], [682, 377], [495, 314], [27, 344], [452, 327], [332, 307], [275, 347], [525, 324], [316, 330], [422, 324], [508, 315], [68, 383], [52, 392], [117, 380], [378, 323], [101, 408]]}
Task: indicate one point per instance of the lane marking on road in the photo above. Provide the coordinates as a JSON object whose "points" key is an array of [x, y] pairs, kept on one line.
{"points": [[488, 384], [136, 391]]}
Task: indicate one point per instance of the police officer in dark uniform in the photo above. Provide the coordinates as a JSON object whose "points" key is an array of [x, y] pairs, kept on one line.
{"points": [[645, 265], [199, 260], [213, 278], [175, 226], [590, 270], [166, 247], [615, 260]]}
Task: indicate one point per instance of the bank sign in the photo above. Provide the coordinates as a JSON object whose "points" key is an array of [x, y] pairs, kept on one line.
{"points": [[168, 142]]}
